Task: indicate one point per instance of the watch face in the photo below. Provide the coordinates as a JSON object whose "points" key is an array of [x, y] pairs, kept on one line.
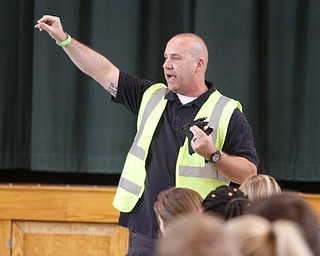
{"points": [[216, 156]]}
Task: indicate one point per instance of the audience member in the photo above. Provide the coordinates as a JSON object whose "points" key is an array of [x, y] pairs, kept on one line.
{"points": [[289, 207], [259, 185], [256, 236], [196, 235], [226, 202], [173, 202]]}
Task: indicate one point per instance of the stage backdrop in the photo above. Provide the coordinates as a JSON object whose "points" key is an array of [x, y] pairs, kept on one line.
{"points": [[264, 53]]}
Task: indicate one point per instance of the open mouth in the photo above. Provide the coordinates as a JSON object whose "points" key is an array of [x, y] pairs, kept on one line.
{"points": [[169, 77]]}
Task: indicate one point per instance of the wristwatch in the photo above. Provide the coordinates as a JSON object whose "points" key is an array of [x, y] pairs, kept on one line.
{"points": [[215, 157]]}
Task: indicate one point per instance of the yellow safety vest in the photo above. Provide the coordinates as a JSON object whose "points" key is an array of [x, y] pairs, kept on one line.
{"points": [[191, 170]]}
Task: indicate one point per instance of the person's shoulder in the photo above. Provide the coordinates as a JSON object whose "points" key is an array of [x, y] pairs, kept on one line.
{"points": [[126, 78]]}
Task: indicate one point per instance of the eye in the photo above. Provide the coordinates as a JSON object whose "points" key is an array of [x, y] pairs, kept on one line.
{"points": [[176, 57]]}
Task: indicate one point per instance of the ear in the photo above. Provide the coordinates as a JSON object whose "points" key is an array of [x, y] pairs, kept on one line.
{"points": [[200, 65]]}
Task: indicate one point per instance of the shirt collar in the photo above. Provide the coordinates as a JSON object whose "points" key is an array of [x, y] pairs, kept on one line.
{"points": [[171, 96]]}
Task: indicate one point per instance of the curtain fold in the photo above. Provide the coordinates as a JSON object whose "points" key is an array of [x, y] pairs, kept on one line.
{"points": [[15, 83], [264, 53]]}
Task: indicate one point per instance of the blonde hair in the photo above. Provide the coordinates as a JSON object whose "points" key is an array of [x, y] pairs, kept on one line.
{"points": [[259, 185], [256, 236], [196, 235], [176, 201]]}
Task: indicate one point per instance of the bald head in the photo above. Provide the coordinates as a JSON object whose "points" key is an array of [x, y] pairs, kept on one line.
{"points": [[186, 58], [194, 44]]}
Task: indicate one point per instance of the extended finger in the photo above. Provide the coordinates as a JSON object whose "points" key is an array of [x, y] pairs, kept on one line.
{"points": [[42, 26]]}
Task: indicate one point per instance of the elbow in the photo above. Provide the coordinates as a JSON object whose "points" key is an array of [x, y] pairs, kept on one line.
{"points": [[251, 170]]}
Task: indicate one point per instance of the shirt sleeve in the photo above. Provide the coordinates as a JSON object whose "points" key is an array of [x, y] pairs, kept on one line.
{"points": [[239, 140], [130, 91]]}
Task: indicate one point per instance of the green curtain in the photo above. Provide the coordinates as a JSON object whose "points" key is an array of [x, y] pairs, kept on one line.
{"points": [[264, 53]]}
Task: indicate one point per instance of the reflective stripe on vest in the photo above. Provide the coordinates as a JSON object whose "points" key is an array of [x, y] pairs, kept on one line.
{"points": [[131, 184], [191, 170], [157, 97]]}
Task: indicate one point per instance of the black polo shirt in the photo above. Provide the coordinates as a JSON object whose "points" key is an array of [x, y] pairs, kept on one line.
{"points": [[164, 148]]}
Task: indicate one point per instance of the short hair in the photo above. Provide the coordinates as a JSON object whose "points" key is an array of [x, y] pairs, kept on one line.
{"points": [[260, 185], [256, 236], [196, 235], [290, 207], [176, 201], [226, 202]]}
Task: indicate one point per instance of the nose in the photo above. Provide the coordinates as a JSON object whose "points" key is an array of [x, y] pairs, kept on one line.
{"points": [[167, 64]]}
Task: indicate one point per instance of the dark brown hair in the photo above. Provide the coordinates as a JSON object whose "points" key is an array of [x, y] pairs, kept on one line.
{"points": [[226, 202], [290, 207]]}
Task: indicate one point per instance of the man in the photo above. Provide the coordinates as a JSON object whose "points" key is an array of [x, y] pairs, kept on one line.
{"points": [[159, 157]]}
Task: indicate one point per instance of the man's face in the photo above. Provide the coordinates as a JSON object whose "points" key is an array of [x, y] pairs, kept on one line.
{"points": [[179, 65]]}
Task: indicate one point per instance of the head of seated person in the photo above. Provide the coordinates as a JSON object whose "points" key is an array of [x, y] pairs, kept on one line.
{"points": [[197, 235], [174, 202], [226, 202], [256, 236], [292, 207], [260, 185]]}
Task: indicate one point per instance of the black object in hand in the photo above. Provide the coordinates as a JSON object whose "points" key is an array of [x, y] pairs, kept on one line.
{"points": [[202, 124]]}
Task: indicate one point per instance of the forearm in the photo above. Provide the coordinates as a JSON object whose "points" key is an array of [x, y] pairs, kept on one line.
{"points": [[94, 64], [86, 59], [235, 168]]}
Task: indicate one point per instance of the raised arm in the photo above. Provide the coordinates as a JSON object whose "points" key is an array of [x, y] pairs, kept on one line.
{"points": [[87, 60]]}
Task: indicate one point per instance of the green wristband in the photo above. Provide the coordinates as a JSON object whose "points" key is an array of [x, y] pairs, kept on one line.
{"points": [[65, 42]]}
